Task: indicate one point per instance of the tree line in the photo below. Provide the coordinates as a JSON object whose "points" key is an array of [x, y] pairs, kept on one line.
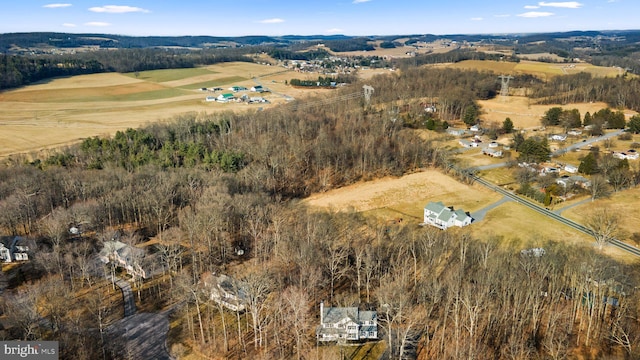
{"points": [[17, 70]]}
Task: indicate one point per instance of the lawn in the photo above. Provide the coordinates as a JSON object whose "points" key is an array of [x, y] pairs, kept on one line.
{"points": [[624, 203], [519, 225]]}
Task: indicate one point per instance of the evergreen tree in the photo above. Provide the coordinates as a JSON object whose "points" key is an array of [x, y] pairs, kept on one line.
{"points": [[507, 126], [588, 120], [552, 116], [588, 165], [470, 115], [634, 124]]}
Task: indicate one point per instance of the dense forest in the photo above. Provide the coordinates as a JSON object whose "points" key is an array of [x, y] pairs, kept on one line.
{"points": [[204, 187]]}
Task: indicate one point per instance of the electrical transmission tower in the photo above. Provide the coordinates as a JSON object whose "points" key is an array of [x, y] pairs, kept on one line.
{"points": [[504, 88], [368, 91]]}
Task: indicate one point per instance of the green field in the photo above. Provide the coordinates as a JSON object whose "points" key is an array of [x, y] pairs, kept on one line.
{"points": [[170, 74], [215, 82]]}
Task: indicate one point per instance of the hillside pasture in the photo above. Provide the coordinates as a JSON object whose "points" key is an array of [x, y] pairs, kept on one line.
{"points": [[525, 114], [405, 195], [541, 69]]}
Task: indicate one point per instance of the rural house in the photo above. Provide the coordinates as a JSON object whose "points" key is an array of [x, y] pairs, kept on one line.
{"points": [[257, 88], [123, 255], [226, 291], [225, 97], [14, 250], [442, 217], [237, 88], [493, 152], [456, 131], [346, 323], [571, 168]]}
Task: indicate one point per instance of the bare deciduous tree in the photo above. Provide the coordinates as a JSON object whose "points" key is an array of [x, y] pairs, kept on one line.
{"points": [[604, 224]]}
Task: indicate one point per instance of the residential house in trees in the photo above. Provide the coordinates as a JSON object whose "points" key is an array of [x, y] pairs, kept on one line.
{"points": [[14, 249], [226, 291], [125, 256], [442, 217], [346, 324]]}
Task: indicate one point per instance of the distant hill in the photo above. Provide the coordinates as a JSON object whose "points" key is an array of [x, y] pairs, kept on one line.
{"points": [[68, 40]]}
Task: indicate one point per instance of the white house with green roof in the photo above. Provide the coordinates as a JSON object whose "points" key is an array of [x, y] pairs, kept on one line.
{"points": [[225, 97], [442, 217]]}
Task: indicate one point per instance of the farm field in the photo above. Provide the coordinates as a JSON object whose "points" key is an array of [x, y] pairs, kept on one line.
{"points": [[537, 68], [526, 115], [65, 110], [405, 195]]}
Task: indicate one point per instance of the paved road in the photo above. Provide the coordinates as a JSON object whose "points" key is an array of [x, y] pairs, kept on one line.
{"points": [[127, 295], [480, 214], [587, 142], [491, 166], [141, 336], [615, 242], [559, 211]]}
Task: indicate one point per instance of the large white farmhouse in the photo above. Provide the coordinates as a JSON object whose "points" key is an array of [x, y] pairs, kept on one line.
{"points": [[442, 217]]}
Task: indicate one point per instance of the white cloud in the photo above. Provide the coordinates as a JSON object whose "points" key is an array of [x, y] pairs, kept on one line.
{"points": [[117, 9], [477, 19], [334, 31], [530, 7], [271, 21], [360, 1], [565, 4], [97, 24], [535, 14], [56, 6], [69, 25]]}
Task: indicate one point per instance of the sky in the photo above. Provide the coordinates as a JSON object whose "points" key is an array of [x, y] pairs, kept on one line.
{"points": [[314, 17]]}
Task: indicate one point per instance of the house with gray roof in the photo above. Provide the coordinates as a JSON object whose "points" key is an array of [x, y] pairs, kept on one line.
{"points": [[227, 291], [14, 249], [346, 324], [125, 256], [442, 217]]}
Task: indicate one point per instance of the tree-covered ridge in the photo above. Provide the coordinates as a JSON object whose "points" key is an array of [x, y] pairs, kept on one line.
{"points": [[17, 70], [353, 44]]}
